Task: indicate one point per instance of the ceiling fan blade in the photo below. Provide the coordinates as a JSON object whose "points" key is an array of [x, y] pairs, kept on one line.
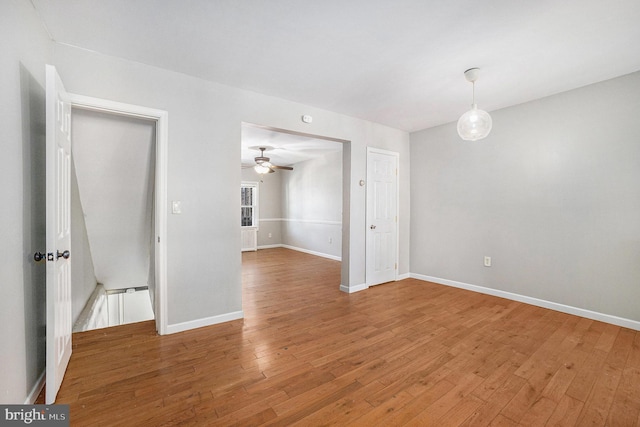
{"points": [[287, 168]]}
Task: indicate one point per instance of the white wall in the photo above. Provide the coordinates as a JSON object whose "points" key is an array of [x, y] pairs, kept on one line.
{"points": [[128, 307], [203, 244], [114, 160], [113, 309], [552, 195], [302, 208], [25, 50], [312, 205], [83, 276]]}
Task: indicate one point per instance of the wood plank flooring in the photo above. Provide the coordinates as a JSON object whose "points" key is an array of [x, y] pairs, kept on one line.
{"points": [[405, 353]]}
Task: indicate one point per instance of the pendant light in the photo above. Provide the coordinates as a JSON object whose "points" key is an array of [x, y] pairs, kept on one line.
{"points": [[474, 124]]}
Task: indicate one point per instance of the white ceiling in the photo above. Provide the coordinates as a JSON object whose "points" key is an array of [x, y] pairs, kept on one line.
{"points": [[283, 149], [395, 62]]}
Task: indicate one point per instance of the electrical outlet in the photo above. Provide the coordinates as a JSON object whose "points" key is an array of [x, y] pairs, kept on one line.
{"points": [[330, 240], [269, 235], [487, 261]]}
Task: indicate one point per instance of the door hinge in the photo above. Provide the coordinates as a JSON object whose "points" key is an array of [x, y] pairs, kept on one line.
{"points": [[395, 266]]}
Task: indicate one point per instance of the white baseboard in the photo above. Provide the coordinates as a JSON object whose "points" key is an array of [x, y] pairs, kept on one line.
{"points": [[37, 388], [363, 286], [308, 221], [269, 246], [594, 315], [207, 321], [307, 251], [352, 289]]}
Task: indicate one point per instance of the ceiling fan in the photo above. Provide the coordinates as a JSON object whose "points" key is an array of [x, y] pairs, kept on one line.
{"points": [[263, 165]]}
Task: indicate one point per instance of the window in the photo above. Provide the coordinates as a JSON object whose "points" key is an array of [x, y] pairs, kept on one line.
{"points": [[249, 204]]}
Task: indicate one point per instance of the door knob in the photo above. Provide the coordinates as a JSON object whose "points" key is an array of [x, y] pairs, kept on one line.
{"points": [[64, 254], [39, 256], [373, 227]]}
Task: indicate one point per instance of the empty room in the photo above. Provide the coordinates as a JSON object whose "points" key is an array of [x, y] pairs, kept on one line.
{"points": [[335, 213]]}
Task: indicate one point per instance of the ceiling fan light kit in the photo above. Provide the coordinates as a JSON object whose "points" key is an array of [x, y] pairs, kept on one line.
{"points": [[262, 169], [475, 124]]}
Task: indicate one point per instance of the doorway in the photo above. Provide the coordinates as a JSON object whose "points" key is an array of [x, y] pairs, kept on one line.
{"points": [[300, 207], [112, 192], [156, 198]]}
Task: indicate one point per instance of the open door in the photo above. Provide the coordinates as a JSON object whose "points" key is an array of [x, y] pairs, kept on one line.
{"points": [[58, 223], [382, 216]]}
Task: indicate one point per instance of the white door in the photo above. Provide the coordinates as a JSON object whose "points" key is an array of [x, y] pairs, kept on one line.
{"points": [[58, 223], [382, 216]]}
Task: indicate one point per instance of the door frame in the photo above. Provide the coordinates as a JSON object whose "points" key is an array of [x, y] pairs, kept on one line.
{"points": [[161, 117], [395, 154]]}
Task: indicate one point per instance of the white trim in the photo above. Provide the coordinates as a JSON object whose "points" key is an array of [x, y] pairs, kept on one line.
{"points": [[307, 251], [381, 151], [162, 142], [114, 107], [36, 389], [594, 315], [207, 321], [310, 221], [249, 239], [256, 204], [87, 318], [352, 289], [313, 221], [403, 276], [162, 151], [269, 246]]}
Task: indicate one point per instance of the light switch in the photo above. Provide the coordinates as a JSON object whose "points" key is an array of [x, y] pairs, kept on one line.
{"points": [[176, 207]]}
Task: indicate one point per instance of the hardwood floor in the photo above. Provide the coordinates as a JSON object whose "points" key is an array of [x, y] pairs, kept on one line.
{"points": [[406, 353]]}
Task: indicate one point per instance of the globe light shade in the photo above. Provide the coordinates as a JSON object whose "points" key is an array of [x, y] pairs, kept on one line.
{"points": [[261, 169], [474, 124]]}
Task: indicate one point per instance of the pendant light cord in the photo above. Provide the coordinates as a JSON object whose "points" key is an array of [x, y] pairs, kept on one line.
{"points": [[473, 93]]}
